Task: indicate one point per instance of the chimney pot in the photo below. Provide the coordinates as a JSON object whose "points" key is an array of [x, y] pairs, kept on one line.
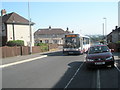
{"points": [[67, 29], [116, 27], [49, 27], [72, 31], [3, 12]]}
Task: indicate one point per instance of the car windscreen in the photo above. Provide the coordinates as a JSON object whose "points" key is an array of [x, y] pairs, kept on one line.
{"points": [[98, 49]]}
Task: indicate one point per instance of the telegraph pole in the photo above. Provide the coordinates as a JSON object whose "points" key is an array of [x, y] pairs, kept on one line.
{"points": [[30, 28]]}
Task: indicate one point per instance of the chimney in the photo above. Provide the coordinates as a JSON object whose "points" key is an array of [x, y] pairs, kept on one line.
{"points": [[116, 27], [49, 27], [72, 31], [67, 29], [3, 12]]}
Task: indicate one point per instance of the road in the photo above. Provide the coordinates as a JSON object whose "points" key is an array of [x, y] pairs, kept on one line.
{"points": [[60, 71]]}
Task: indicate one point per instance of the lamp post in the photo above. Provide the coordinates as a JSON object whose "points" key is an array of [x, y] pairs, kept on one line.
{"points": [[105, 28], [105, 25]]}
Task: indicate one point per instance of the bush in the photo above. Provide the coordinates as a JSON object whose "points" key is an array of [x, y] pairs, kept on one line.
{"points": [[118, 42], [102, 41], [15, 43], [43, 46]]}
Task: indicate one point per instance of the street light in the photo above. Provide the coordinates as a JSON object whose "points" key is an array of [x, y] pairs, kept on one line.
{"points": [[103, 30], [105, 27]]}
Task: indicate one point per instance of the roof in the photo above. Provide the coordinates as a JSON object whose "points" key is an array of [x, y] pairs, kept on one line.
{"points": [[51, 31], [15, 18], [114, 31]]}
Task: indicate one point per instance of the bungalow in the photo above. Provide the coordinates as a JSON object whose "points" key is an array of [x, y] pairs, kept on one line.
{"points": [[16, 27]]}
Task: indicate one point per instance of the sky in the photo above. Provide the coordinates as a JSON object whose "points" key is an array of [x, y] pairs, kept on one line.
{"points": [[80, 17]]}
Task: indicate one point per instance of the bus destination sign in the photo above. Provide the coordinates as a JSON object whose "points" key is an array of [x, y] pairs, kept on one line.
{"points": [[70, 35]]}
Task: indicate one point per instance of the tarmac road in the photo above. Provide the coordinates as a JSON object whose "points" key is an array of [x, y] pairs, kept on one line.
{"points": [[60, 71]]}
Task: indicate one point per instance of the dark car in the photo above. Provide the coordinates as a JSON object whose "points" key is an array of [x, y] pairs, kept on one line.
{"points": [[99, 55]]}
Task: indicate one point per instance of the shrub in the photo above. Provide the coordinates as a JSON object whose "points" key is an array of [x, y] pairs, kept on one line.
{"points": [[118, 42], [102, 41], [43, 46], [15, 43]]}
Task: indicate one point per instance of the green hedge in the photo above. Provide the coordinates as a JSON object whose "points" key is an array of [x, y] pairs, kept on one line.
{"points": [[102, 41], [43, 46], [118, 42], [15, 43]]}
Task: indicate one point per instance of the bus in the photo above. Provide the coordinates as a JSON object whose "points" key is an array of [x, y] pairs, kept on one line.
{"points": [[75, 44]]}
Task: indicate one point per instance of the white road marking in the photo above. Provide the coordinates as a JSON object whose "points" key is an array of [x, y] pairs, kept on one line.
{"points": [[98, 79], [23, 61], [73, 76], [116, 58], [117, 67]]}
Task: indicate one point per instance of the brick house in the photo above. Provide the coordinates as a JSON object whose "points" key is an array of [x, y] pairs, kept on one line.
{"points": [[50, 35], [114, 36], [15, 27]]}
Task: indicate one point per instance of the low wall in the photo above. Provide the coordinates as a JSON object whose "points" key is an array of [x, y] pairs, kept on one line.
{"points": [[114, 46]]}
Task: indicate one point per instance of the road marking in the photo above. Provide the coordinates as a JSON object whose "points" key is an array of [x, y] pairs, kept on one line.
{"points": [[117, 67], [23, 61], [73, 76], [98, 79]]}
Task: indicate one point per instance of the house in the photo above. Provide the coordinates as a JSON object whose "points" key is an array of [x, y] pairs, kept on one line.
{"points": [[114, 36], [50, 35], [16, 27]]}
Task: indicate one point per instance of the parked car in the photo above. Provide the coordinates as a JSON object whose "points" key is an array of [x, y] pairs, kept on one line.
{"points": [[99, 55]]}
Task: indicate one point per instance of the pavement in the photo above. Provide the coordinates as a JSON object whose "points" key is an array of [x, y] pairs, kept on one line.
{"points": [[25, 57]]}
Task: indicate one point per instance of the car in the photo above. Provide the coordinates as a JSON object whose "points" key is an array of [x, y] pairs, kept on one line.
{"points": [[99, 55]]}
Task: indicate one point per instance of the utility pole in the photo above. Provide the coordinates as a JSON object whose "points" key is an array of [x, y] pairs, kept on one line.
{"points": [[13, 29], [30, 28]]}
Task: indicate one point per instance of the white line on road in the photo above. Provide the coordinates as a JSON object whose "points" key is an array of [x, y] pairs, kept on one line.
{"points": [[73, 76], [98, 79], [23, 61], [117, 67]]}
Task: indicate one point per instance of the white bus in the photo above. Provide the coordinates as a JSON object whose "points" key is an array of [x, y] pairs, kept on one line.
{"points": [[75, 44]]}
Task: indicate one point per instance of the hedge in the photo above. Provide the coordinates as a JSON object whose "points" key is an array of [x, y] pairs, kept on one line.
{"points": [[15, 43]]}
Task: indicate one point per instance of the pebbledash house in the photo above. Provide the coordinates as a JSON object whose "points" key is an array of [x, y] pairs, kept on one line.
{"points": [[50, 35], [16, 27]]}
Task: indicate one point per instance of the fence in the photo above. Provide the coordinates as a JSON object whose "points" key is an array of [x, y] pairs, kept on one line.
{"points": [[24, 50]]}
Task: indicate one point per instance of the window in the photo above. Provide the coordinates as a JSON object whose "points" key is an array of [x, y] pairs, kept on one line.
{"points": [[46, 41]]}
